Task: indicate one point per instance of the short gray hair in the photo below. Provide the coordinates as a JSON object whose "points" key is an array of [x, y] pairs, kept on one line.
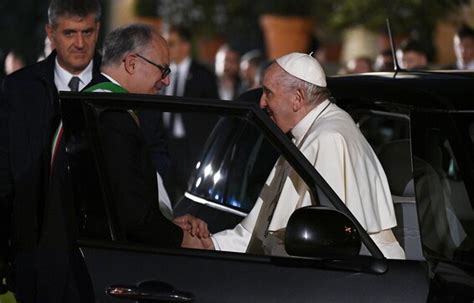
{"points": [[314, 94], [125, 40], [81, 8]]}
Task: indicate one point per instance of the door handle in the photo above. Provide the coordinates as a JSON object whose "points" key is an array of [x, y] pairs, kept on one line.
{"points": [[149, 291]]}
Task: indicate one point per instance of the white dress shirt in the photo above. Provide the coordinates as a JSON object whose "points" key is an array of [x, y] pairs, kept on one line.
{"points": [[62, 76], [331, 141], [182, 69]]}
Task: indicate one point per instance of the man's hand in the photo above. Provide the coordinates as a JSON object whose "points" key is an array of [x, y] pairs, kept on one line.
{"points": [[192, 225], [194, 242]]}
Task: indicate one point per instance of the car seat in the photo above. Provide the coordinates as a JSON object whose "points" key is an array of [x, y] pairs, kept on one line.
{"points": [[395, 157]]}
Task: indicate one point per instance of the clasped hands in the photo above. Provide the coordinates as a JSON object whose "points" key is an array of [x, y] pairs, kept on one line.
{"points": [[195, 232]]}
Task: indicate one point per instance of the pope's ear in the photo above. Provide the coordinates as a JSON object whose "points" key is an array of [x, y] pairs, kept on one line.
{"points": [[130, 62], [298, 100]]}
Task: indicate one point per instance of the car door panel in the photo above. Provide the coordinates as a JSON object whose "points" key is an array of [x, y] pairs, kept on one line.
{"points": [[228, 277]]}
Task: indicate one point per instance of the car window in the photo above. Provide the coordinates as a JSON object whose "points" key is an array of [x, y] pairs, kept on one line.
{"points": [[246, 159], [381, 127], [444, 185]]}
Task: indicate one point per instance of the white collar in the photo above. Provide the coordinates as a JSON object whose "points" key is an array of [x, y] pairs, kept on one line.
{"points": [[111, 79], [62, 76], [302, 127]]}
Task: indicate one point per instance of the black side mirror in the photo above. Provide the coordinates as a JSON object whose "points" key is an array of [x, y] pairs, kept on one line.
{"points": [[320, 232]]}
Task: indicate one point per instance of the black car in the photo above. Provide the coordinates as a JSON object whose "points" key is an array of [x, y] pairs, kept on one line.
{"points": [[421, 126]]}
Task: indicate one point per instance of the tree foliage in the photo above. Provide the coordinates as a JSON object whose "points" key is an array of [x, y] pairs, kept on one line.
{"points": [[219, 16], [405, 15]]}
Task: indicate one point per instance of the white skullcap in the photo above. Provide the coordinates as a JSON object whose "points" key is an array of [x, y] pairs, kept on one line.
{"points": [[304, 67]]}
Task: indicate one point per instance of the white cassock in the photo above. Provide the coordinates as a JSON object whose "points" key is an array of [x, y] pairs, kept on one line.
{"points": [[331, 141]]}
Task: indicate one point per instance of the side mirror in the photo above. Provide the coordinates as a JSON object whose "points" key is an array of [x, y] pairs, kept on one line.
{"points": [[317, 231]]}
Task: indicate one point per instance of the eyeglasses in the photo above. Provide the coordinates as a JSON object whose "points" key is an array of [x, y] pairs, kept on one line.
{"points": [[164, 69]]}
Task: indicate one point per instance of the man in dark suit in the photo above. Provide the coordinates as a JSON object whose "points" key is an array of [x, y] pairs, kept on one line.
{"points": [[227, 71], [30, 107], [136, 60], [186, 132], [189, 78]]}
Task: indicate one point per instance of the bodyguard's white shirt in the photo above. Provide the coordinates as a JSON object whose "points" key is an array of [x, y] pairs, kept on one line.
{"points": [[182, 69], [341, 154], [62, 77]]}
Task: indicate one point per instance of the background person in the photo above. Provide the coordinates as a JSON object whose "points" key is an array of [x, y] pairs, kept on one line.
{"points": [[384, 61], [13, 62], [359, 65], [251, 66], [464, 48], [186, 131], [188, 77], [45, 262], [227, 71], [412, 55]]}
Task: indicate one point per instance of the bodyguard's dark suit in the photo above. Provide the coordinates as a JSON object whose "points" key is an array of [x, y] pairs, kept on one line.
{"points": [[200, 83], [132, 179], [31, 109]]}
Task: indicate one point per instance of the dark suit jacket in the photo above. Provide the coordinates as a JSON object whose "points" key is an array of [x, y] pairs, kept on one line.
{"points": [[30, 108], [200, 83], [132, 179], [151, 123]]}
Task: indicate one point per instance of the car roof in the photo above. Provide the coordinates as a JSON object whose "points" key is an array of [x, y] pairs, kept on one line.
{"points": [[428, 90]]}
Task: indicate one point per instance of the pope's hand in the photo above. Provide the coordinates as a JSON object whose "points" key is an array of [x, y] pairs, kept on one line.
{"points": [[196, 227], [189, 241]]}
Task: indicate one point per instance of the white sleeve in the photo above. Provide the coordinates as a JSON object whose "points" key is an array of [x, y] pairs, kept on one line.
{"points": [[163, 199], [235, 240], [238, 238]]}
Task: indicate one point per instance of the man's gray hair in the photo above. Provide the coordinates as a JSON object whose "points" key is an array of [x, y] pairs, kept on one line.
{"points": [[134, 38], [80, 8], [313, 93]]}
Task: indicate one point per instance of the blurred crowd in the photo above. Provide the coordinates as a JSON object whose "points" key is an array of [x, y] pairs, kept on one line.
{"points": [[234, 72], [411, 54]]}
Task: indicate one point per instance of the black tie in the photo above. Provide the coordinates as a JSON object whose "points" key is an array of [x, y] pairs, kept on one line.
{"points": [[74, 84]]}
